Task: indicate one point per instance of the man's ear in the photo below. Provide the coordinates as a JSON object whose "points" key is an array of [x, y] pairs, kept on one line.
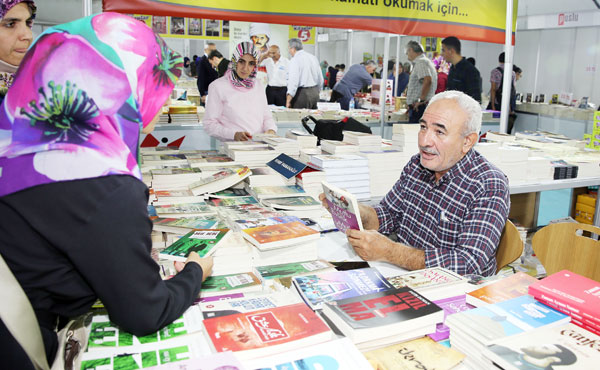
{"points": [[469, 141]]}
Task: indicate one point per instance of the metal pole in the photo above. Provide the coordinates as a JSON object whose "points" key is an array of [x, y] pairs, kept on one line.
{"points": [[350, 40], [397, 66], [87, 8], [317, 44], [386, 52], [508, 65]]}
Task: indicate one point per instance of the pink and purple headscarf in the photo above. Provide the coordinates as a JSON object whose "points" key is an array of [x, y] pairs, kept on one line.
{"points": [[81, 96], [6, 5], [242, 48]]}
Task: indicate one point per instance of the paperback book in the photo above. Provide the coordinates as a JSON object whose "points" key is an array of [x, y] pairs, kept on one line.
{"points": [[182, 225], [509, 287], [204, 242], [247, 304], [266, 192], [232, 283], [221, 202], [293, 203], [294, 269], [219, 181], [343, 207], [184, 210], [280, 235], [450, 306]]}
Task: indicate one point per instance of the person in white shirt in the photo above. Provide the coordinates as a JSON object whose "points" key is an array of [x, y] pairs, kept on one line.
{"points": [[277, 72], [304, 78]]}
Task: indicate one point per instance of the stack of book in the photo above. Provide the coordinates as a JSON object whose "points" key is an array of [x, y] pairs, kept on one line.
{"points": [[539, 168], [405, 137], [217, 285], [198, 209], [513, 162], [251, 153], [267, 192], [344, 171], [288, 146], [338, 147], [310, 180], [385, 167], [433, 283], [510, 287], [174, 197], [219, 181], [572, 294], [232, 256], [209, 160], [306, 153], [489, 150], [304, 139], [164, 160], [174, 178], [366, 142], [264, 176]]}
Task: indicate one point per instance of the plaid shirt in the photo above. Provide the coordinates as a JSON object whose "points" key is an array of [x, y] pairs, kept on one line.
{"points": [[422, 67], [456, 221]]}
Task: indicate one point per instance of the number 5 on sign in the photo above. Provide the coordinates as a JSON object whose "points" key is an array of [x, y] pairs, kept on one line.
{"points": [[305, 34]]}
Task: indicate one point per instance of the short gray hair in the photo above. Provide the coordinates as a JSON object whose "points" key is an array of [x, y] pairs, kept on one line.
{"points": [[406, 67], [370, 62], [415, 46], [469, 105], [296, 44]]}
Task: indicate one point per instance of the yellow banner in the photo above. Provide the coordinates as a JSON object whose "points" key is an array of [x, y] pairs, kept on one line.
{"points": [[306, 34]]}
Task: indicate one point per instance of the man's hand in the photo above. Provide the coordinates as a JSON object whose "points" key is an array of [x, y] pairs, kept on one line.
{"points": [[203, 98], [288, 101], [242, 136], [323, 200], [370, 245], [205, 263]]}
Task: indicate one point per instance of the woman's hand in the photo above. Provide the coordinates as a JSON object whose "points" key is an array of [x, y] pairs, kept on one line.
{"points": [[205, 263], [270, 132], [242, 136]]}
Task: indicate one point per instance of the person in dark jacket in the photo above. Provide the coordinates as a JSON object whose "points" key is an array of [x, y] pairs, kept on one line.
{"points": [[75, 225], [205, 72], [218, 62], [463, 75]]}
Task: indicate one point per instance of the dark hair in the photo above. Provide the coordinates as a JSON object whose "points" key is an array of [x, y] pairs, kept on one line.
{"points": [[337, 66], [391, 65], [215, 53], [342, 66], [453, 43], [567, 357], [501, 57], [517, 69], [471, 60]]}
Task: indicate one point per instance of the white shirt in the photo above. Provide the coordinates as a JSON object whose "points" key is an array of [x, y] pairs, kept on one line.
{"points": [[277, 72], [304, 71]]}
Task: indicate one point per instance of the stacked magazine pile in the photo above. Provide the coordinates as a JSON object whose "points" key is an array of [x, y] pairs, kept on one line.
{"points": [[304, 139], [366, 142], [347, 171], [310, 180], [385, 167]]}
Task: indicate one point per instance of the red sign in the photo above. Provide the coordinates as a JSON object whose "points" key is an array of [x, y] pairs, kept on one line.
{"points": [[267, 327]]}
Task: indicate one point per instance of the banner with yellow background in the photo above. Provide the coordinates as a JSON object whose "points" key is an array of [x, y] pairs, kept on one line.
{"points": [[188, 28], [478, 20]]}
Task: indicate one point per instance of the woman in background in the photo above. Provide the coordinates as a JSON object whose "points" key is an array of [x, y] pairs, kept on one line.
{"points": [[75, 226], [16, 20], [236, 107]]}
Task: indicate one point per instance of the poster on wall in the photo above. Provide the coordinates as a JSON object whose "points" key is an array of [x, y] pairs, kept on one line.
{"points": [[177, 26], [367, 57], [191, 28], [212, 27], [306, 34], [195, 27], [432, 46]]}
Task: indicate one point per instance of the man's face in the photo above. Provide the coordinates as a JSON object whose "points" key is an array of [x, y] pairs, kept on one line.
{"points": [[370, 69], [274, 52], [260, 40], [210, 48], [446, 53], [214, 61], [410, 54], [245, 65], [441, 140], [15, 34]]}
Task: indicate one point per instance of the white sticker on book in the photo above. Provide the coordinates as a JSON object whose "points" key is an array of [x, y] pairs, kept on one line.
{"points": [[205, 235], [238, 280]]}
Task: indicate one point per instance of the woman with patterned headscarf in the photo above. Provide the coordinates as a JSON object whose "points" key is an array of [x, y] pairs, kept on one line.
{"points": [[236, 107], [16, 20], [75, 225]]}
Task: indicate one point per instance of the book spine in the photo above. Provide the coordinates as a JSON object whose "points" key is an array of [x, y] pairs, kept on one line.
{"points": [[574, 316], [564, 303]]}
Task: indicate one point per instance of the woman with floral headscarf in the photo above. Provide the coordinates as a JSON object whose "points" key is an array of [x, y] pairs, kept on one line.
{"points": [[236, 107], [16, 20], [75, 225]]}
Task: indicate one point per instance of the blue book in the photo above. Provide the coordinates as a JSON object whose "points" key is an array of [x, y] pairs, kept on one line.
{"points": [[287, 166]]}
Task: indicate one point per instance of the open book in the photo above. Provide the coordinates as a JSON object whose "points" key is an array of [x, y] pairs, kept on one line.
{"points": [[343, 207]]}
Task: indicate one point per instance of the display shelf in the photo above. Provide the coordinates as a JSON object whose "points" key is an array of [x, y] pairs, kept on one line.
{"points": [[553, 185]]}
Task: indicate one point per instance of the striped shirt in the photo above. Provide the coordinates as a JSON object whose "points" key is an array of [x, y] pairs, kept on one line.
{"points": [[457, 221]]}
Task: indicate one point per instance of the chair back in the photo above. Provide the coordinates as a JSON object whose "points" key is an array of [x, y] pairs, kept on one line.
{"points": [[510, 247], [558, 247]]}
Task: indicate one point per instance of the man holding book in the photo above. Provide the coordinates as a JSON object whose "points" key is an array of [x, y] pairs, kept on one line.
{"points": [[450, 204]]}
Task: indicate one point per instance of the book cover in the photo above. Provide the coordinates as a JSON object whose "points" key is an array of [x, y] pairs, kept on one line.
{"points": [[343, 207], [219, 181], [507, 288], [489, 323], [433, 277], [137, 360], [280, 234], [422, 353], [165, 224], [574, 292], [217, 361], [292, 269], [223, 284], [266, 328], [263, 192], [247, 304], [450, 306], [335, 285], [286, 166], [293, 203], [249, 223], [560, 347], [183, 209], [220, 202], [203, 242], [230, 193], [173, 193]]}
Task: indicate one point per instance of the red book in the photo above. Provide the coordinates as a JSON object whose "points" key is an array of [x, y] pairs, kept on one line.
{"points": [[266, 332], [570, 293]]}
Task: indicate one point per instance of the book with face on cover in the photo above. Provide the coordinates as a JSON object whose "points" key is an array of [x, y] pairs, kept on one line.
{"points": [[204, 242], [506, 288], [265, 332], [343, 207], [219, 181], [229, 284], [280, 235]]}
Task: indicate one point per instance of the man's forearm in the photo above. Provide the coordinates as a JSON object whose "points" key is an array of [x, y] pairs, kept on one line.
{"points": [[288, 101], [406, 257], [368, 217], [425, 88]]}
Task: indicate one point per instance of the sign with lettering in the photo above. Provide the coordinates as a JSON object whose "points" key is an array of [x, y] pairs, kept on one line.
{"points": [[287, 166]]}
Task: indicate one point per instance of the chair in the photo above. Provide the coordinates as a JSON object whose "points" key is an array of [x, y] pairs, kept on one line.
{"points": [[558, 247], [510, 247]]}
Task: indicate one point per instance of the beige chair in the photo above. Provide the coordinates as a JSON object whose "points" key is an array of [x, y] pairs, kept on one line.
{"points": [[558, 247], [510, 247]]}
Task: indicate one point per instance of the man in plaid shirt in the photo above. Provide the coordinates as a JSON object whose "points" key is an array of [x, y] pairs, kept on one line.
{"points": [[450, 204]]}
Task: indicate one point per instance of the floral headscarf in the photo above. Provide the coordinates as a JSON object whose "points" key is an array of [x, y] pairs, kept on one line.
{"points": [[242, 48], [79, 100], [6, 5]]}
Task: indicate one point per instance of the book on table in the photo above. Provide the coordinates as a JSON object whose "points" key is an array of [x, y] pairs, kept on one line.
{"points": [[203, 241], [229, 284], [174, 197], [222, 361], [433, 282], [229, 193], [251, 303], [324, 161], [304, 202], [254, 222], [222, 202], [197, 209], [266, 192], [294, 269], [183, 225], [334, 285], [219, 181], [450, 305], [343, 207], [280, 235], [267, 332], [506, 288]]}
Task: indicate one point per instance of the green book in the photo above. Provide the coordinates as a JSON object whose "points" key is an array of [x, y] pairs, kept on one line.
{"points": [[228, 284], [293, 269], [202, 241]]}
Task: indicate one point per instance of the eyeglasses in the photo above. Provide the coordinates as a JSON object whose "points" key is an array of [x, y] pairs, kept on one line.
{"points": [[243, 62]]}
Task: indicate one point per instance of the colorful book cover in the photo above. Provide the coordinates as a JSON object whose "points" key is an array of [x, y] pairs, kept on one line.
{"points": [[247, 304], [559, 347], [274, 191], [301, 202], [422, 353], [507, 318], [281, 234], [136, 360], [426, 278], [450, 306], [250, 223], [223, 283], [217, 361], [264, 328], [507, 288], [173, 193], [335, 285], [240, 173], [221, 202], [185, 208], [343, 207], [175, 171], [203, 242], [292, 269], [186, 222], [230, 193], [567, 289]]}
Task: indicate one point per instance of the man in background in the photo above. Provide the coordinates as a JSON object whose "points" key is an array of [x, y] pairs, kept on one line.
{"points": [[277, 71], [358, 76], [218, 62], [304, 78], [402, 76], [421, 83], [205, 71], [463, 75]]}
